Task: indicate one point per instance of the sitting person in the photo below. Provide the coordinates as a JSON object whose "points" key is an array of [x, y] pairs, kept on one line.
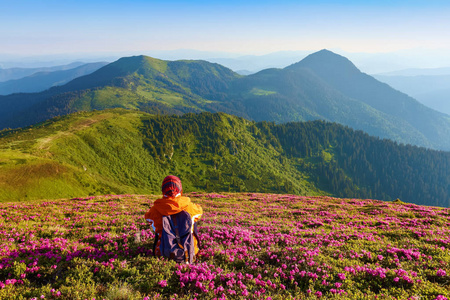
{"points": [[172, 203]]}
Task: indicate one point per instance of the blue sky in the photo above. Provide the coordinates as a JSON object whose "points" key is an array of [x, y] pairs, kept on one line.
{"points": [[38, 27]]}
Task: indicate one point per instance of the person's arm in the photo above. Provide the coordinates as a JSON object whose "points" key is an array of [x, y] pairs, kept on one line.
{"points": [[149, 217], [195, 211]]}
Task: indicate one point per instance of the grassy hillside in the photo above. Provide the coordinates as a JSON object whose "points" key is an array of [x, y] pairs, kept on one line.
{"points": [[76, 167], [122, 151], [114, 152]]}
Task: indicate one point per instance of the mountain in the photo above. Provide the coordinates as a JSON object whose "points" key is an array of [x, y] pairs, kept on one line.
{"points": [[323, 85], [342, 75], [328, 86], [298, 94], [41, 81], [123, 151], [138, 82], [17, 73]]}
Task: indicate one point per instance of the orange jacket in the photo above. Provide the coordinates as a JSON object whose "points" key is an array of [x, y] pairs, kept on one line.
{"points": [[168, 206]]}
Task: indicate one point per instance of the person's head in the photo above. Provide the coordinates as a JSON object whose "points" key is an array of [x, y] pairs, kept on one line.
{"points": [[171, 186]]}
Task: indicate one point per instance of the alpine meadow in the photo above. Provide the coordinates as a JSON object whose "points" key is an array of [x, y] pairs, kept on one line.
{"points": [[316, 181]]}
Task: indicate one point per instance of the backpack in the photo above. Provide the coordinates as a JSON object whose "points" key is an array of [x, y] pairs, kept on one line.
{"points": [[177, 239]]}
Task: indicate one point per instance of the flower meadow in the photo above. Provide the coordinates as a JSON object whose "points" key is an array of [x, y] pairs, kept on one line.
{"points": [[254, 246]]}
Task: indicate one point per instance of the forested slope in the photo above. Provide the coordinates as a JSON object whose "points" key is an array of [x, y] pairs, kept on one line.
{"points": [[120, 151]]}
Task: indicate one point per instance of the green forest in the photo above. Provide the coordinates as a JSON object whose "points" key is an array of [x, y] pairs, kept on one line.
{"points": [[336, 159]]}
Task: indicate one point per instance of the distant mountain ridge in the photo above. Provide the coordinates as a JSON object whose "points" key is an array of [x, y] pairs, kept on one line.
{"points": [[324, 85], [137, 82], [17, 73], [41, 81], [431, 90]]}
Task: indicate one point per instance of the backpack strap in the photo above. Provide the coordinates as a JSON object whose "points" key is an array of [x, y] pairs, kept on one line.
{"points": [[173, 221]]}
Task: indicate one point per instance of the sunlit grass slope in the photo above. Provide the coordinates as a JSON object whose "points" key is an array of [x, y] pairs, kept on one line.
{"points": [[110, 152]]}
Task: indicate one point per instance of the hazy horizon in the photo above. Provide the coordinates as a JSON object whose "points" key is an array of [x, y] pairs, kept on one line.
{"points": [[403, 34], [372, 63]]}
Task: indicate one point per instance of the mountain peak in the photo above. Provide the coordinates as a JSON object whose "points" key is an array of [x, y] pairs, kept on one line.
{"points": [[138, 63], [325, 61], [120, 68], [324, 52]]}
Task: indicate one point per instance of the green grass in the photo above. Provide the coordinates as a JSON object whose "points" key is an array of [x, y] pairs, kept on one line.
{"points": [[156, 64], [107, 97], [260, 92], [108, 152], [160, 95]]}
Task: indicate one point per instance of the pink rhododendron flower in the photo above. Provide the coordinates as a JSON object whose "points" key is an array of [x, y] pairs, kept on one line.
{"points": [[163, 283]]}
